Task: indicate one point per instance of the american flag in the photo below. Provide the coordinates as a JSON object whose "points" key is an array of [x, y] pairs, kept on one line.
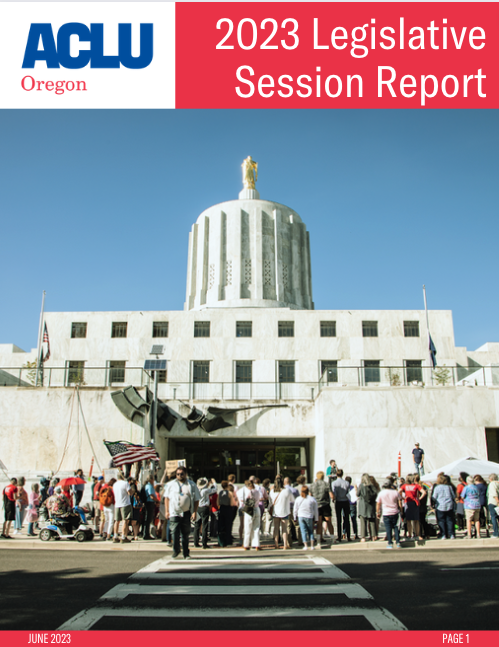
{"points": [[45, 345], [124, 452]]}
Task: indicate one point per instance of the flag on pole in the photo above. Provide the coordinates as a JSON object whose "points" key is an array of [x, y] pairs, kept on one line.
{"points": [[124, 453], [45, 345], [433, 351]]}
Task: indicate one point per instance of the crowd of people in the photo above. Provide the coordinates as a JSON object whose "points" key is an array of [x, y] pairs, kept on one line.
{"points": [[281, 513]]}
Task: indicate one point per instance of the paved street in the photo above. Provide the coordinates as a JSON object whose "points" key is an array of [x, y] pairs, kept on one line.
{"points": [[328, 589]]}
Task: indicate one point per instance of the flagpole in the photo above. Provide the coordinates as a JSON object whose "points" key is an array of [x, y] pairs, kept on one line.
{"points": [[427, 330], [39, 348]]}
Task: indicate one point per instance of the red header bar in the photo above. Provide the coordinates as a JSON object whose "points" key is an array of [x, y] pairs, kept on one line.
{"points": [[337, 55]]}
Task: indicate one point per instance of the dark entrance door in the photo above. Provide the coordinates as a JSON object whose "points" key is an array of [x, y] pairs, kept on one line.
{"points": [[217, 458]]}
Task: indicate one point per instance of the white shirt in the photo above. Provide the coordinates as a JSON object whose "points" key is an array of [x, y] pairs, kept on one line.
{"points": [[205, 493], [306, 507], [121, 496], [244, 493], [281, 502], [174, 489]]}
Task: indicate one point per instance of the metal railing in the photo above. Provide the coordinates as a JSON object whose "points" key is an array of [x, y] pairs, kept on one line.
{"points": [[395, 376], [341, 376]]}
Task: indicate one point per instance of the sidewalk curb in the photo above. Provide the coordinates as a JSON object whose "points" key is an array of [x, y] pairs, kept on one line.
{"points": [[20, 543]]}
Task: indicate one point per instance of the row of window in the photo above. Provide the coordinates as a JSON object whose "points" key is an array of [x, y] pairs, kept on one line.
{"points": [[243, 329], [244, 371], [329, 370]]}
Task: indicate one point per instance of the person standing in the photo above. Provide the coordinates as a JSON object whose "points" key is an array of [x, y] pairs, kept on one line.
{"points": [[150, 500], [339, 494], [413, 493], [418, 458], [122, 509], [34, 504], [306, 511], [293, 527], [442, 500], [249, 497], [471, 498], [389, 505], [79, 488], [225, 503], [320, 491], [95, 502], [331, 471], [366, 503], [280, 499], [106, 501], [22, 503], [182, 498], [206, 489], [493, 503], [9, 506], [482, 488], [352, 498]]}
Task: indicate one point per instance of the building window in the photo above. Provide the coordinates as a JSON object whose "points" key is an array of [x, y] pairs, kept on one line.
{"points": [[244, 371], [117, 372], [328, 328], [160, 328], [119, 329], [411, 328], [329, 370], [413, 370], [287, 371], [201, 329], [369, 329], [200, 372], [162, 375], [286, 329], [76, 372], [244, 329], [79, 330], [371, 371]]}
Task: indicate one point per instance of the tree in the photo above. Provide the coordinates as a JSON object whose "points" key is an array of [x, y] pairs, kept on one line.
{"points": [[441, 375]]}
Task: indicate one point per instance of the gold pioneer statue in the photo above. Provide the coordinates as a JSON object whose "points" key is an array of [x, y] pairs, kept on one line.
{"points": [[250, 173]]}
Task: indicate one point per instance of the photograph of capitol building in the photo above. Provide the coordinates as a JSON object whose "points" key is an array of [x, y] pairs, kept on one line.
{"points": [[255, 377]]}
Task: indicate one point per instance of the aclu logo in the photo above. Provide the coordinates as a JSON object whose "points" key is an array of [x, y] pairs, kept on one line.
{"points": [[43, 46]]}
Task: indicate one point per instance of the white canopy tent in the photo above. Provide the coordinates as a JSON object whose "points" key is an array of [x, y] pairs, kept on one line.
{"points": [[468, 464]]}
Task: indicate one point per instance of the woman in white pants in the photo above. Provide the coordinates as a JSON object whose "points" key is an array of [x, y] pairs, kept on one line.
{"points": [[108, 520], [251, 522]]}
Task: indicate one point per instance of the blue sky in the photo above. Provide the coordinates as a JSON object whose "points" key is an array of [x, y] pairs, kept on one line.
{"points": [[96, 206]]}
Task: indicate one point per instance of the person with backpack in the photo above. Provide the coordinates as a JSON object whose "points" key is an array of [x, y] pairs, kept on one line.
{"points": [[95, 502], [225, 503], [366, 507], [106, 500], [249, 497]]}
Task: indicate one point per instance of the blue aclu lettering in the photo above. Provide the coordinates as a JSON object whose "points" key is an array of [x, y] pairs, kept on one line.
{"points": [[42, 46]]}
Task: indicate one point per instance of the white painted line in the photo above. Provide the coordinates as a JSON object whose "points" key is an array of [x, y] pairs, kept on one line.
{"points": [[153, 567], [471, 568], [329, 569], [121, 591], [226, 574], [380, 619]]}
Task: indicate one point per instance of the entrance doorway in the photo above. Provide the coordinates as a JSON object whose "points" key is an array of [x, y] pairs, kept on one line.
{"points": [[217, 458], [492, 440]]}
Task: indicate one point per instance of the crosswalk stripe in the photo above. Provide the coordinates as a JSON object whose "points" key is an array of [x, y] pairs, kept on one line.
{"points": [[121, 591], [380, 619]]}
